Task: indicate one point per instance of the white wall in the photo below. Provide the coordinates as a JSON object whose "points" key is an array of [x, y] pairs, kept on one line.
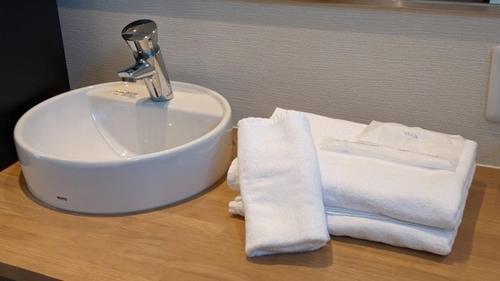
{"points": [[422, 69]]}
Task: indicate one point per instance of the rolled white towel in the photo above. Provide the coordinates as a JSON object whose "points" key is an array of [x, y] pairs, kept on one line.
{"points": [[277, 156]]}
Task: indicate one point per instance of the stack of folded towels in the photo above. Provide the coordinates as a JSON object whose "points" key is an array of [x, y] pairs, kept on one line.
{"points": [[303, 176]]}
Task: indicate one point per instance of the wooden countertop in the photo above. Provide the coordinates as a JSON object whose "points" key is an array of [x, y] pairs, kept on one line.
{"points": [[199, 240]]}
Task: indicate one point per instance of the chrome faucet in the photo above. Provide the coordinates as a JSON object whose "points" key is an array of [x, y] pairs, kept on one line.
{"points": [[142, 38]]}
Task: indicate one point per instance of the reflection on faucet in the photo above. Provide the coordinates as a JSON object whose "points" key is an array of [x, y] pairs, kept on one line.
{"points": [[142, 38]]}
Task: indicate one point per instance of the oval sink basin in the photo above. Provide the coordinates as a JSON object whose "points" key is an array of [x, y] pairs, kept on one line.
{"points": [[108, 148]]}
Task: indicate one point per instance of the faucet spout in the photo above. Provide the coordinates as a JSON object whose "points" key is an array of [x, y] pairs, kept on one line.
{"points": [[141, 37], [140, 70]]}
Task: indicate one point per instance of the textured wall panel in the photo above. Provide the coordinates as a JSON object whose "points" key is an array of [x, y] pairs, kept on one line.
{"points": [[420, 69]]}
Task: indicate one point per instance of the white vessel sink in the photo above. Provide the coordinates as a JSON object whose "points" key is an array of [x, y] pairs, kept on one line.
{"points": [[109, 149]]}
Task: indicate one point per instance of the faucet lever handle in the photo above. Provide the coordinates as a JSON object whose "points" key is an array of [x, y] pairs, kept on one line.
{"points": [[141, 36]]}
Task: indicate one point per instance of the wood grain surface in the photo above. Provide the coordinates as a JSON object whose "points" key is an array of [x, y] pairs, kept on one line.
{"points": [[199, 240]]}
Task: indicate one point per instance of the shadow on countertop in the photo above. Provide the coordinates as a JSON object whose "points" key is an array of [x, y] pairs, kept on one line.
{"points": [[10, 273]]}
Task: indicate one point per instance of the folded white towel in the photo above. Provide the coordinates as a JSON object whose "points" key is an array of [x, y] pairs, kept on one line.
{"points": [[452, 193], [392, 232], [407, 193], [372, 227], [402, 144], [418, 195], [276, 157], [418, 237], [380, 228]]}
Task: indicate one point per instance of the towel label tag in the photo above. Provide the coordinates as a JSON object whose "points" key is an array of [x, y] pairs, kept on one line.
{"points": [[411, 134]]}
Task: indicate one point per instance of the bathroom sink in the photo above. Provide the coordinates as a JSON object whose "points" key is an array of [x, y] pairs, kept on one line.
{"points": [[109, 148]]}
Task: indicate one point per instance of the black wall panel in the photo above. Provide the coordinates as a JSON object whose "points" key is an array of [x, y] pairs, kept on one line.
{"points": [[32, 64]]}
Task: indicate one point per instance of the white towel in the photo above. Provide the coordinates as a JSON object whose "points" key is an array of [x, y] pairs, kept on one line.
{"points": [[276, 157], [402, 144], [413, 194], [380, 228], [235, 207], [418, 195], [372, 227], [407, 193], [233, 179], [418, 237]]}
